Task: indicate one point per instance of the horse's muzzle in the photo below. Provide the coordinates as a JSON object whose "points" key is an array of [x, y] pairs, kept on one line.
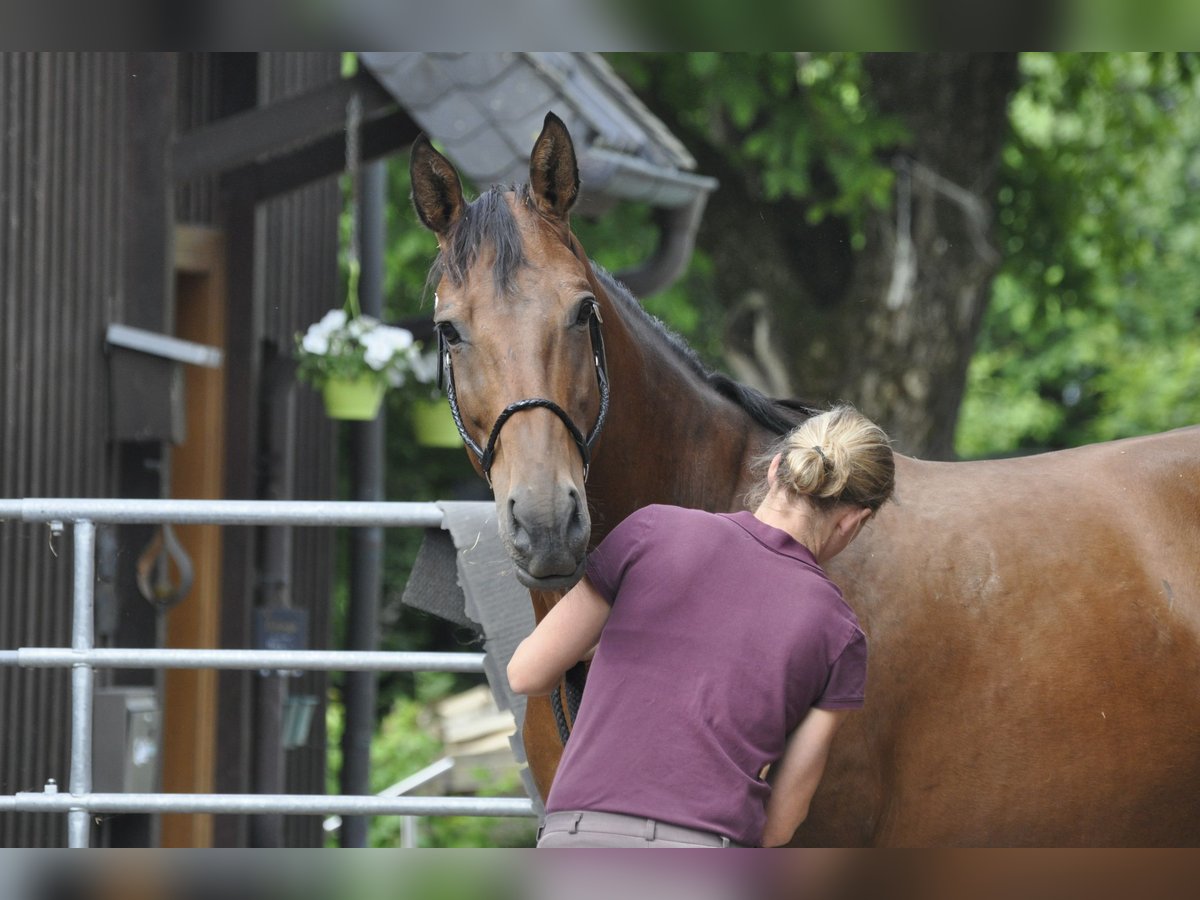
{"points": [[550, 582], [547, 536]]}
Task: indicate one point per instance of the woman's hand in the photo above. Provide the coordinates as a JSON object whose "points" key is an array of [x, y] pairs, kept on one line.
{"points": [[794, 778]]}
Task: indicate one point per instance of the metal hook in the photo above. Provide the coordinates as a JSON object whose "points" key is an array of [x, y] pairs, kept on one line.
{"points": [[56, 530], [154, 570]]}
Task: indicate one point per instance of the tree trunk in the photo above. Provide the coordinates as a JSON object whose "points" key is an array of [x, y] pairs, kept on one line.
{"points": [[890, 327]]}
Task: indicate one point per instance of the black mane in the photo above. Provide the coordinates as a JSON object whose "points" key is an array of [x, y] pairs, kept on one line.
{"points": [[777, 416]]}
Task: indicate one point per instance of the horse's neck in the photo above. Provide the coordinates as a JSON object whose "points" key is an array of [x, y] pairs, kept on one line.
{"points": [[670, 437]]}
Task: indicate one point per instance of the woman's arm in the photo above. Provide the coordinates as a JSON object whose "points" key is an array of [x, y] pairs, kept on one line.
{"points": [[564, 636], [794, 778]]}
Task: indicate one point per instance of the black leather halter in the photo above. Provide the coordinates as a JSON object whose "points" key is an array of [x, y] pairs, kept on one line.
{"points": [[486, 454]]}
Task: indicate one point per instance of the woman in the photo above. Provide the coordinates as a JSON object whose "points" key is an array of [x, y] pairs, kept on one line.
{"points": [[723, 648]]}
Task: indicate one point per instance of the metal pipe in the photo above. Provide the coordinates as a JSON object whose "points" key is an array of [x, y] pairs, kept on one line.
{"points": [[224, 512], [83, 657], [366, 544], [269, 660], [404, 786], [275, 588], [83, 635], [255, 804], [676, 240]]}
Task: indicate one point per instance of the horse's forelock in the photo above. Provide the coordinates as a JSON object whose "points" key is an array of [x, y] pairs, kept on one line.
{"points": [[486, 220]]}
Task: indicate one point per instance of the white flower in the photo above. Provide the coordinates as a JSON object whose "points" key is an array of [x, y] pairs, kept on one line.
{"points": [[378, 351], [360, 326], [332, 321], [315, 342], [424, 365], [382, 343], [399, 338]]}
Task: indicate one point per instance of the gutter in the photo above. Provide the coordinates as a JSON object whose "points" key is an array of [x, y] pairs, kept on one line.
{"points": [[679, 199]]}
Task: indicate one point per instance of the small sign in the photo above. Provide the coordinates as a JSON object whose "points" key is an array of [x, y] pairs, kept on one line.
{"points": [[279, 628]]}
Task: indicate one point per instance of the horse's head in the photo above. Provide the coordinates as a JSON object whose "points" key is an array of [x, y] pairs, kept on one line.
{"points": [[518, 323]]}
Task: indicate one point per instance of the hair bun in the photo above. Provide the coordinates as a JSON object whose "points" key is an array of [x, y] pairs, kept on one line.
{"points": [[839, 456]]}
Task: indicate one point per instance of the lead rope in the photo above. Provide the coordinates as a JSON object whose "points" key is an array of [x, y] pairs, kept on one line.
{"points": [[571, 687]]}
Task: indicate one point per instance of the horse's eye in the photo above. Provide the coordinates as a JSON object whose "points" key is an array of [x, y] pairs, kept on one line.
{"points": [[449, 333], [586, 310]]}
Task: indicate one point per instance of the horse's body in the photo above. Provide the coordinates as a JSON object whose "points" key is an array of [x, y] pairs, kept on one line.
{"points": [[1034, 624], [1034, 627]]}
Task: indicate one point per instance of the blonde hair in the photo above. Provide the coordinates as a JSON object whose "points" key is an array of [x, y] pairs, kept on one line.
{"points": [[839, 456]]}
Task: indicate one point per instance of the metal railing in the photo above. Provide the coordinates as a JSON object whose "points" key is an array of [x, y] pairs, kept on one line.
{"points": [[83, 658]]}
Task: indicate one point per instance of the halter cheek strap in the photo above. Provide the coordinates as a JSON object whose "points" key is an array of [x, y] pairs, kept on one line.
{"points": [[487, 454]]}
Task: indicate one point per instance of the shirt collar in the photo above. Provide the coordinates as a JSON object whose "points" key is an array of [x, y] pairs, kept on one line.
{"points": [[771, 537]]}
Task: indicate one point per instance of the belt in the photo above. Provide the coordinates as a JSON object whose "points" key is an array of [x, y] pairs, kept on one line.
{"points": [[631, 826]]}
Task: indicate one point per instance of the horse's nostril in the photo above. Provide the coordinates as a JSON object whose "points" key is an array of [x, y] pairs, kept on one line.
{"points": [[522, 543], [577, 526]]}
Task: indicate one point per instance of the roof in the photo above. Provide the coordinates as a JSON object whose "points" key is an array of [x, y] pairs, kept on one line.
{"points": [[486, 110]]}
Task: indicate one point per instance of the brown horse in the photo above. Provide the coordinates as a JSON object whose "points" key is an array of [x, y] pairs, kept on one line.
{"points": [[1034, 623]]}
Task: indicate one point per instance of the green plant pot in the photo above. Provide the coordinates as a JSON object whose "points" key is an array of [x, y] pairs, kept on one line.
{"points": [[433, 424], [355, 399]]}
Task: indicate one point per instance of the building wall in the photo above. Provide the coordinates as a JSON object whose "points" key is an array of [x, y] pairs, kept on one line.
{"points": [[63, 133], [300, 284], [61, 126]]}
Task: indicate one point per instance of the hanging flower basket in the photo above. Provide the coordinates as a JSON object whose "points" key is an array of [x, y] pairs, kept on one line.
{"points": [[353, 360], [354, 399], [433, 424]]}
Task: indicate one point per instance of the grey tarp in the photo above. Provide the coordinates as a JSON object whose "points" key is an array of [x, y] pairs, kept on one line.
{"points": [[463, 574]]}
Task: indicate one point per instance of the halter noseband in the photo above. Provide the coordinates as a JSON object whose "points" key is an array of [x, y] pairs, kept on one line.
{"points": [[487, 454]]}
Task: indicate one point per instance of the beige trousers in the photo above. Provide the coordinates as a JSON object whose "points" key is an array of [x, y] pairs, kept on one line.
{"points": [[613, 830]]}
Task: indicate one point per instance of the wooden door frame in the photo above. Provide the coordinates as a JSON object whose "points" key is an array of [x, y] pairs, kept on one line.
{"points": [[197, 471]]}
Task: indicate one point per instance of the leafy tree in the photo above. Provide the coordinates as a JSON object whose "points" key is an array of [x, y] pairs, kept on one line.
{"points": [[1091, 333], [865, 186]]}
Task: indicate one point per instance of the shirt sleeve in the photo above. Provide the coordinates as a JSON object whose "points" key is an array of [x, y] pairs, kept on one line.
{"points": [[846, 687], [608, 563]]}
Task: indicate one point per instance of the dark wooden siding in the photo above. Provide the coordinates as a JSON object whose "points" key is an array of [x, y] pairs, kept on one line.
{"points": [[199, 77], [300, 284], [62, 127], [60, 145]]}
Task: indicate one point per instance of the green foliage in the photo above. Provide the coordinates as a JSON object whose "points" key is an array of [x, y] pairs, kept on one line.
{"points": [[403, 745], [800, 125], [1091, 332]]}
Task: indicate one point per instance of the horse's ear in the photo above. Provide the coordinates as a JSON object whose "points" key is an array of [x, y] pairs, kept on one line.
{"points": [[436, 189], [553, 171]]}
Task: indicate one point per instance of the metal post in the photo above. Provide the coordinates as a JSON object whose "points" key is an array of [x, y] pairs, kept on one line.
{"points": [[366, 544], [83, 630], [275, 576]]}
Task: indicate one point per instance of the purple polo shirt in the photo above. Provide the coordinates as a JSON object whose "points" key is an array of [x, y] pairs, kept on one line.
{"points": [[724, 632]]}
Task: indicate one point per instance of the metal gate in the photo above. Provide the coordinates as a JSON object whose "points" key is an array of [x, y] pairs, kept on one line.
{"points": [[79, 802]]}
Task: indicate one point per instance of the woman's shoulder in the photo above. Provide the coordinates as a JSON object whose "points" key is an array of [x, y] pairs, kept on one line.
{"points": [[663, 512], [841, 619]]}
